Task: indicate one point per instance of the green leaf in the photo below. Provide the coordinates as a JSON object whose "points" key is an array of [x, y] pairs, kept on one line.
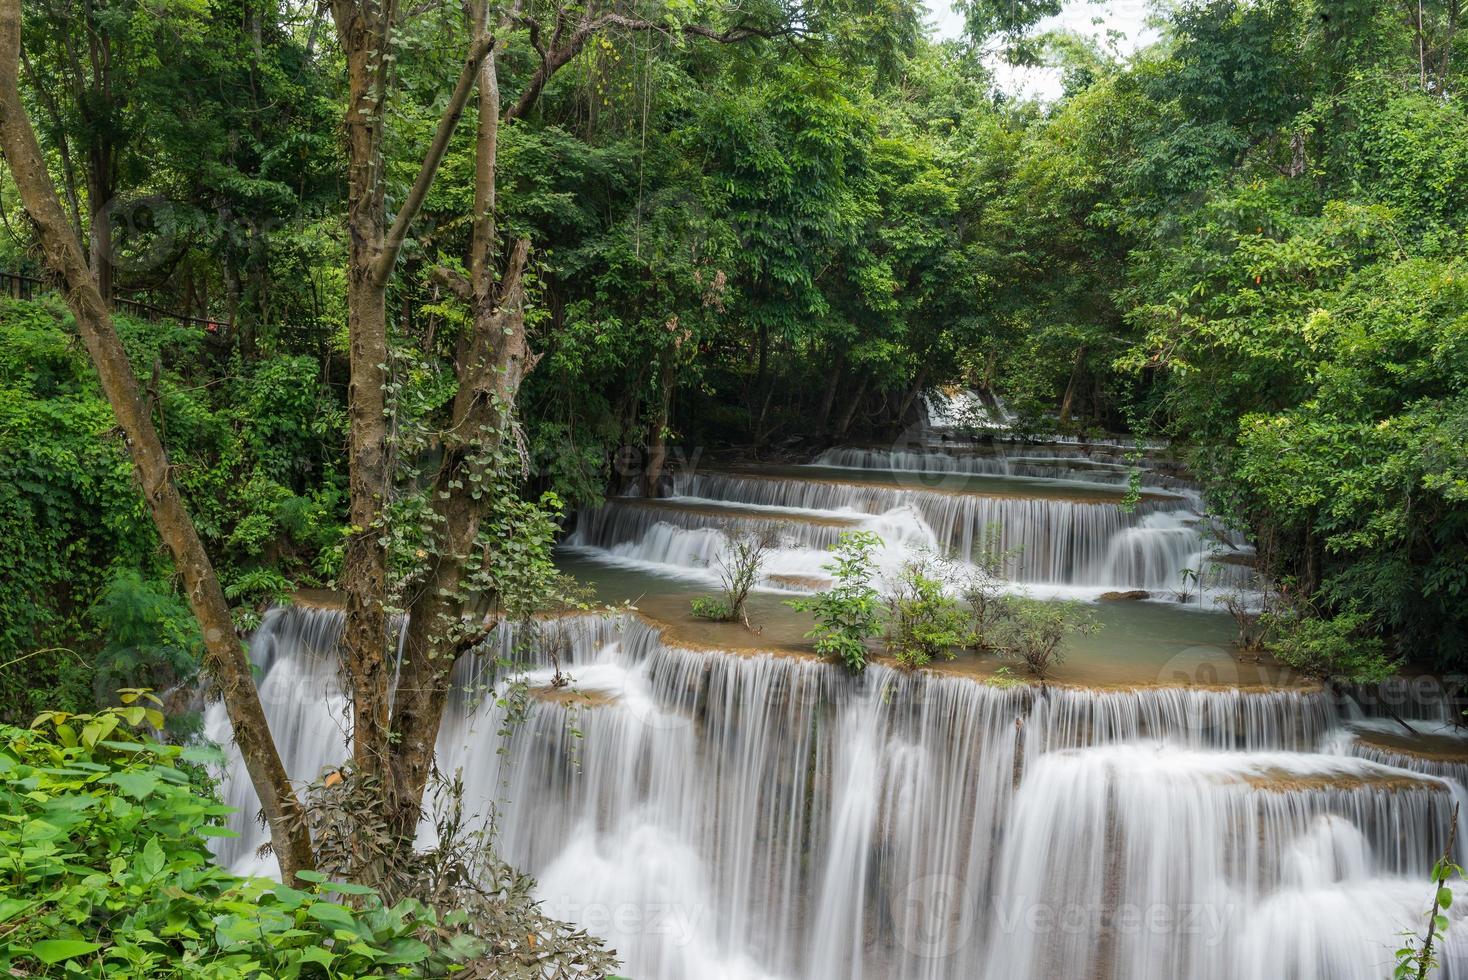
{"points": [[11, 907], [55, 950], [210, 830], [152, 858], [349, 888], [203, 755], [134, 784], [332, 915]]}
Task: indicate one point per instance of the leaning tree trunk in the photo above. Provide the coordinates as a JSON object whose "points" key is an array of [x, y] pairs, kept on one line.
{"points": [[849, 416], [226, 658], [828, 398], [912, 393], [1067, 404]]}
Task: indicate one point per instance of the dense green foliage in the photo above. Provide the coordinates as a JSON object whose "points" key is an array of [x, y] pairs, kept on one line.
{"points": [[87, 591], [1034, 632], [924, 621], [107, 872], [1248, 238]]}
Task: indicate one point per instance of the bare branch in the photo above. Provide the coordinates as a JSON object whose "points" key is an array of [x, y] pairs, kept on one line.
{"points": [[452, 280]]}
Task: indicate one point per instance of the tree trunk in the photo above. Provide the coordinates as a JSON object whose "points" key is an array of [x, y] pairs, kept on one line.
{"points": [[657, 445], [364, 567], [365, 33], [1067, 404], [913, 392], [828, 399], [848, 416], [99, 198], [226, 658], [490, 363]]}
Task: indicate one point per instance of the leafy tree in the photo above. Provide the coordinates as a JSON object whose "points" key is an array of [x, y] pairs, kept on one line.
{"points": [[1035, 631], [849, 613]]}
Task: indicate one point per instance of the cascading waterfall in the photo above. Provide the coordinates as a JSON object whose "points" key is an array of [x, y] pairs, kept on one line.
{"points": [[754, 816], [1450, 769], [1057, 464], [1052, 541]]}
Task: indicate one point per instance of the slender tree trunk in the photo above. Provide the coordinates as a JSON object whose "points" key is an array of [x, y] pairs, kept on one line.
{"points": [[828, 399], [226, 658], [627, 412], [913, 392], [99, 198], [761, 390], [657, 445], [490, 364], [849, 416], [1067, 403], [364, 567]]}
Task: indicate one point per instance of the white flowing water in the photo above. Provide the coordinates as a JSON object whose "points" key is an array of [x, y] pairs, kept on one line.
{"points": [[753, 816], [1052, 463], [1057, 535]]}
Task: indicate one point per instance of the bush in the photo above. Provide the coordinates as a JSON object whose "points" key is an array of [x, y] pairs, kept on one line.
{"points": [[850, 613], [1034, 632], [1329, 649], [923, 621], [711, 608], [983, 585], [739, 570]]}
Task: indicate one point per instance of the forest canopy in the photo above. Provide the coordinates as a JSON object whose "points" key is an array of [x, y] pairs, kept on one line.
{"points": [[767, 227]]}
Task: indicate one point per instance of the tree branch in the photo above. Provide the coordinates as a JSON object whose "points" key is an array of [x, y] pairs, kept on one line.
{"points": [[447, 122], [452, 280]]}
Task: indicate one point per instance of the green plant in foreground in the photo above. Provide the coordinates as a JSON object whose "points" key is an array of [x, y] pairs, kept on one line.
{"points": [[1416, 962], [106, 873], [849, 613]]}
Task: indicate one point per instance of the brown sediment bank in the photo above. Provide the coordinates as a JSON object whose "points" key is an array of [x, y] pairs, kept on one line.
{"points": [[1432, 748], [799, 581], [569, 696], [1284, 781]]}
